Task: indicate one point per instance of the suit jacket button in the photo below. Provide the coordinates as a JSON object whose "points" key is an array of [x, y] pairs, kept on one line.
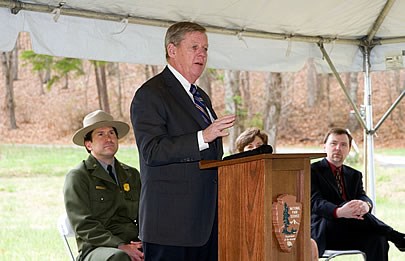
{"points": [[215, 181]]}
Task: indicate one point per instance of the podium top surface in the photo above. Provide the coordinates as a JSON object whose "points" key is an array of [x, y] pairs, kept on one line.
{"points": [[206, 164]]}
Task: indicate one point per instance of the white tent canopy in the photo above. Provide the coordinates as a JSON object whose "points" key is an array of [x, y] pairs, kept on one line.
{"points": [[244, 34], [253, 35]]}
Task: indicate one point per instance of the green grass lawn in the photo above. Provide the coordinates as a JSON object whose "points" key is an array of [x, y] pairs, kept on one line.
{"points": [[31, 181]]}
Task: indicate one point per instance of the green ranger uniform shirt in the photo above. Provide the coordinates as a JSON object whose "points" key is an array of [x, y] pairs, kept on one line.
{"points": [[101, 212]]}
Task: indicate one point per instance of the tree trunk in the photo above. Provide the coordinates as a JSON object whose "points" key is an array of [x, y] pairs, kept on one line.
{"points": [[47, 73], [232, 106], [66, 85], [312, 95], [42, 85], [205, 81], [325, 85], [101, 82], [150, 71], [396, 89], [15, 61], [147, 72], [7, 60], [245, 90], [273, 98], [86, 85], [154, 69], [119, 87], [45, 76]]}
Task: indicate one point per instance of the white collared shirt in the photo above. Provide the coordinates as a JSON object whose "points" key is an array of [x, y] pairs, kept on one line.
{"points": [[186, 85]]}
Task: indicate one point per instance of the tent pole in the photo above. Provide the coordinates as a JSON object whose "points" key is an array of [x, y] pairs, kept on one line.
{"points": [[368, 131], [380, 19], [393, 106], [342, 85]]}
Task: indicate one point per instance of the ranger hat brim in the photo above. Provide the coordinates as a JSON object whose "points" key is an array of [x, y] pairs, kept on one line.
{"points": [[98, 119]]}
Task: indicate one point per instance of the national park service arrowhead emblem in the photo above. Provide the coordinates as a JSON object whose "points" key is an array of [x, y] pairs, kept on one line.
{"points": [[286, 220]]}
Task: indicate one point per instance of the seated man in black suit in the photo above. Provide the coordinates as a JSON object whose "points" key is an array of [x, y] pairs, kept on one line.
{"points": [[341, 217]]}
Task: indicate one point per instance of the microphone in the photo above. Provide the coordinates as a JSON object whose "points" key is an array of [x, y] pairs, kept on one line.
{"points": [[264, 149]]}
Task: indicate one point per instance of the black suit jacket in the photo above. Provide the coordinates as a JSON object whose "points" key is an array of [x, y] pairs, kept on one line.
{"points": [[325, 197], [178, 200]]}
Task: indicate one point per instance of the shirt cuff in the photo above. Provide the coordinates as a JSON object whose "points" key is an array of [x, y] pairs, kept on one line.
{"points": [[201, 144], [369, 205], [334, 213]]}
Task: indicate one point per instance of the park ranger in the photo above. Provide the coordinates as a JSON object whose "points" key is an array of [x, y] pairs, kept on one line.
{"points": [[102, 194]]}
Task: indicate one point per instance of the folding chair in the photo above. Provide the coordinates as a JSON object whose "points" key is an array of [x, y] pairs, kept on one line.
{"points": [[66, 231], [329, 254]]}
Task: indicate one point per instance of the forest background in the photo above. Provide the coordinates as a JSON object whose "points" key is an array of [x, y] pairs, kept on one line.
{"points": [[43, 99]]}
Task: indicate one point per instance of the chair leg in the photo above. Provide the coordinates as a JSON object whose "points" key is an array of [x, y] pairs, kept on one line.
{"points": [[68, 248], [330, 254]]}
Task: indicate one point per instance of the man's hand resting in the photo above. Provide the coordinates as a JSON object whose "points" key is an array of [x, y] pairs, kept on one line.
{"points": [[133, 250], [353, 209]]}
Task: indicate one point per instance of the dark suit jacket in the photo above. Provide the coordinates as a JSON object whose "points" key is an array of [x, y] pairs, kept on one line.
{"points": [[325, 197], [178, 200]]}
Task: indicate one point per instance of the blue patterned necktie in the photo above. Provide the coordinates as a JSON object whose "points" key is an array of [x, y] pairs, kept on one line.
{"points": [[200, 104]]}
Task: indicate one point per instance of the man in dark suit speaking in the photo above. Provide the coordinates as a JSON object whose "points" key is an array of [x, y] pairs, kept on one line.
{"points": [[341, 216], [175, 127]]}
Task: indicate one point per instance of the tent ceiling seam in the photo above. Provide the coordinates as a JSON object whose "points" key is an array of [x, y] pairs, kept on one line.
{"points": [[15, 6]]}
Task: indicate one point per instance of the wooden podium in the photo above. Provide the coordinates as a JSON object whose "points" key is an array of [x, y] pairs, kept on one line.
{"points": [[247, 189]]}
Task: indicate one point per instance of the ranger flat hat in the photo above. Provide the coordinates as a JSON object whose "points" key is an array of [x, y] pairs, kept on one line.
{"points": [[98, 119]]}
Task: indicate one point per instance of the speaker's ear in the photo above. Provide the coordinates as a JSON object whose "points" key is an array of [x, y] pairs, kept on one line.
{"points": [[171, 50]]}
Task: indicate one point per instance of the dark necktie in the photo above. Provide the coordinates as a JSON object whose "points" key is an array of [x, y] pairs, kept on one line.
{"points": [[200, 104], [110, 171], [338, 176]]}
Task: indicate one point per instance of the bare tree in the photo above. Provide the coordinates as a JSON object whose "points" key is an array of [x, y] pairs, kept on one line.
{"points": [[154, 69], [119, 89], [101, 82], [147, 71], [7, 59], [232, 103], [273, 103], [150, 71], [245, 90], [205, 80], [313, 90], [325, 85], [16, 62], [114, 72], [85, 81], [396, 89]]}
